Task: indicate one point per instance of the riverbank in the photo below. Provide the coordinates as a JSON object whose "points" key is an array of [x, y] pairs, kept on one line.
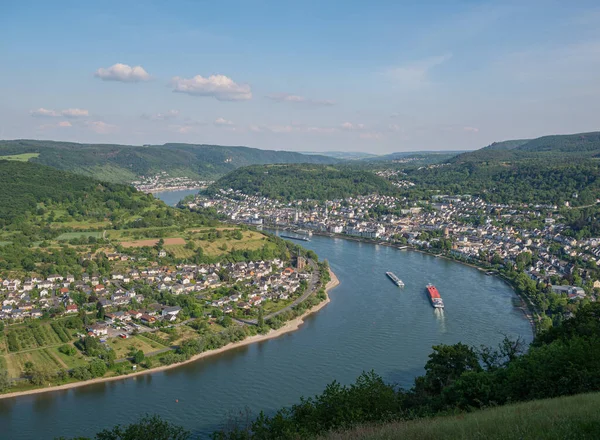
{"points": [[289, 327]]}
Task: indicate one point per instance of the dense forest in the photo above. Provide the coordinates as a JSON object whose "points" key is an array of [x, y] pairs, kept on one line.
{"points": [[24, 185], [124, 163], [296, 182], [528, 182]]}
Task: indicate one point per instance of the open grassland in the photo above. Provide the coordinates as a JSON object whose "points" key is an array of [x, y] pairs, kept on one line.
{"points": [[20, 157], [573, 417], [122, 347], [70, 235], [70, 362]]}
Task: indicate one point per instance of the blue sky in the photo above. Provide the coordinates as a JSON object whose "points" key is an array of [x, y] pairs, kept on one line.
{"points": [[377, 76]]}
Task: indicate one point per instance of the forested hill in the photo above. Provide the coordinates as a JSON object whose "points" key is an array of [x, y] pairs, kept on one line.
{"points": [[24, 187], [550, 148], [294, 182], [124, 163]]}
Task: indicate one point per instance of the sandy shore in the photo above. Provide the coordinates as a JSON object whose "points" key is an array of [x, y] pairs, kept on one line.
{"points": [[290, 326]]}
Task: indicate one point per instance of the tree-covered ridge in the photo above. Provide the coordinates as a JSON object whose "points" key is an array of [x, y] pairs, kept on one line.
{"points": [[123, 163], [547, 148], [534, 181], [24, 186], [296, 182]]}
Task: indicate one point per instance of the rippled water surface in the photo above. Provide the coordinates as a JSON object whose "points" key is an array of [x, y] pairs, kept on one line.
{"points": [[369, 324]]}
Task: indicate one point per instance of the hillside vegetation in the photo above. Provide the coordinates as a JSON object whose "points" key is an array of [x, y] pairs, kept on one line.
{"points": [[560, 362], [295, 182], [549, 170], [124, 163], [573, 417]]}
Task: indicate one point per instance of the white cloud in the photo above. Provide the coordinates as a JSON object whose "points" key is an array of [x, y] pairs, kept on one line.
{"points": [[349, 126], [161, 116], [223, 122], [68, 113], [61, 124], [415, 75], [75, 113], [374, 135], [219, 87], [123, 73], [286, 97], [100, 127], [43, 112], [471, 129]]}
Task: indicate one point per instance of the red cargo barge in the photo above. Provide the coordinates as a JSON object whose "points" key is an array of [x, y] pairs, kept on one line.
{"points": [[434, 297]]}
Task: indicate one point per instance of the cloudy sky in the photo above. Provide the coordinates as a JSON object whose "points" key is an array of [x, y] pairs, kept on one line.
{"points": [[376, 76]]}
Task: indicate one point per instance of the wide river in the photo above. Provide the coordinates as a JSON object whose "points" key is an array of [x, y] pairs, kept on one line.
{"points": [[370, 324]]}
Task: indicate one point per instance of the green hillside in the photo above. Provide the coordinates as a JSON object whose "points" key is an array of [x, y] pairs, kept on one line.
{"points": [[294, 182], [573, 417], [550, 170], [25, 185], [124, 163], [548, 148]]}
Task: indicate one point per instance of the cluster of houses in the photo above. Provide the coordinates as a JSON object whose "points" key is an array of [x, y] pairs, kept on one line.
{"points": [[162, 182], [31, 297], [476, 228]]}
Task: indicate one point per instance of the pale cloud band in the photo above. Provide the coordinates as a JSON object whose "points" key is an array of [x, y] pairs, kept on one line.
{"points": [[68, 113], [297, 99], [219, 87], [123, 73]]}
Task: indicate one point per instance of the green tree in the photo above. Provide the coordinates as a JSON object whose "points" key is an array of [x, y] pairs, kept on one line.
{"points": [[5, 381], [139, 357]]}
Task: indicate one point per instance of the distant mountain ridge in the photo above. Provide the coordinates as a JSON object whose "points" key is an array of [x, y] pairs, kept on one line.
{"points": [[577, 145], [125, 163]]}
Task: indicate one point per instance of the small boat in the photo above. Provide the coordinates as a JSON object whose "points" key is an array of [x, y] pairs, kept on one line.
{"points": [[397, 281]]}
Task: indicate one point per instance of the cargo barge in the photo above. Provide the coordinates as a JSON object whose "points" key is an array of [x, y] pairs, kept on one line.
{"points": [[397, 281], [434, 297]]}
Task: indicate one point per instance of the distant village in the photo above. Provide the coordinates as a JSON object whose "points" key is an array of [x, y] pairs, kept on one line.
{"points": [[163, 182], [497, 235]]}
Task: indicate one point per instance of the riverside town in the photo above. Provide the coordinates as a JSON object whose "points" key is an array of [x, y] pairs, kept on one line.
{"points": [[275, 220]]}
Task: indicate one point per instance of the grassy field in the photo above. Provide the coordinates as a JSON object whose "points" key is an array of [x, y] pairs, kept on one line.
{"points": [[70, 235], [179, 251], [251, 240], [20, 157], [573, 417], [123, 346]]}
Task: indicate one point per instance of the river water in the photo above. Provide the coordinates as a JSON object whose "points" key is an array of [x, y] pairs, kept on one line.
{"points": [[370, 324]]}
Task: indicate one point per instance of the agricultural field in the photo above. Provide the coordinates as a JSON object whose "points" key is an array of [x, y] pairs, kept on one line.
{"points": [[179, 251], [43, 358], [20, 157], [153, 242], [31, 337]]}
